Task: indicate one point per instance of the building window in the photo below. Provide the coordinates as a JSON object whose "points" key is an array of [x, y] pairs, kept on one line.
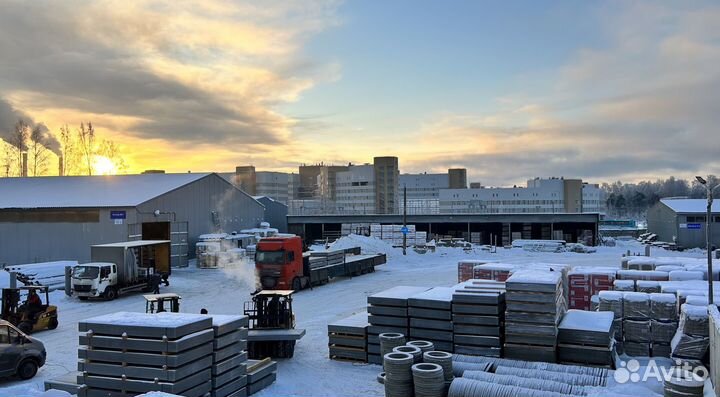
{"points": [[696, 219]]}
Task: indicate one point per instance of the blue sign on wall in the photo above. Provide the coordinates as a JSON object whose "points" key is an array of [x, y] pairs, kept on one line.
{"points": [[404, 230], [696, 226], [118, 214]]}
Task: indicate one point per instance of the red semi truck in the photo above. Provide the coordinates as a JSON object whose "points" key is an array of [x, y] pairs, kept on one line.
{"points": [[280, 264]]}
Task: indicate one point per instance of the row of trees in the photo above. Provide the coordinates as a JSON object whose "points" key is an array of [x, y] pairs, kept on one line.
{"points": [[634, 199], [79, 150]]}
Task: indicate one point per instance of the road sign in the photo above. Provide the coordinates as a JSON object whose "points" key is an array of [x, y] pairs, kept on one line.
{"points": [[696, 226], [404, 230]]}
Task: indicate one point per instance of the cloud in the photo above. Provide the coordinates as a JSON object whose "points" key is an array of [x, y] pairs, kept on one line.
{"points": [[641, 106], [180, 71]]}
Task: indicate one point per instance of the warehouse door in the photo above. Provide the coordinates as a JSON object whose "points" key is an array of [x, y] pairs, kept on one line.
{"points": [[134, 232], [179, 244]]}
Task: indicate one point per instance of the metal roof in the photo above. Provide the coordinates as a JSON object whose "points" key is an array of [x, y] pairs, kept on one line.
{"points": [[131, 244], [690, 206], [89, 191]]}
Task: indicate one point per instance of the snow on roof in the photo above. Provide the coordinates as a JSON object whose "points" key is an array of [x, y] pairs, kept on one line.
{"points": [[89, 191], [690, 205]]}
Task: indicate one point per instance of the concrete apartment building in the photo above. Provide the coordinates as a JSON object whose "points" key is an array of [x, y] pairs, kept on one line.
{"points": [[458, 178], [423, 192], [280, 186], [684, 222], [553, 195], [387, 175], [355, 190]]}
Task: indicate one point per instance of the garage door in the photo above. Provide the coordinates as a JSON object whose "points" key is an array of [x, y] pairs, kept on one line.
{"points": [[179, 244]]}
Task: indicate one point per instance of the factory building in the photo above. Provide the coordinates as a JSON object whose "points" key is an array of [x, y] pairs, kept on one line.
{"points": [[275, 213], [59, 218], [683, 221]]}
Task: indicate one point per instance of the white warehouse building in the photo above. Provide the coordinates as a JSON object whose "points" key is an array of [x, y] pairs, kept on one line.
{"points": [[553, 195]]}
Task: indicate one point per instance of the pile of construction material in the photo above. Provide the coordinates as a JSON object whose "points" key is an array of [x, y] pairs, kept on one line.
{"points": [[430, 314], [493, 271], [637, 338], [535, 304], [465, 268], [320, 259], [586, 337], [478, 315], [584, 282], [611, 301], [229, 365], [693, 335], [260, 374], [347, 338], [131, 353], [388, 312], [392, 234], [186, 354], [411, 371]]}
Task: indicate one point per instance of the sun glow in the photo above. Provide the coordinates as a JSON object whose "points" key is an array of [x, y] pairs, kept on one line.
{"points": [[103, 166]]}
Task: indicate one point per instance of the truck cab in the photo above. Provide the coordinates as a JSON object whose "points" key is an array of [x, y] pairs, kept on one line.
{"points": [[279, 263], [20, 354], [94, 279]]}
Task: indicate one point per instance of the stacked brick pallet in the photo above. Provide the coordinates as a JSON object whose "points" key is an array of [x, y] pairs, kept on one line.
{"points": [[535, 304], [586, 337], [347, 338], [387, 312], [478, 310], [493, 271], [125, 354], [229, 375], [583, 283], [466, 268], [430, 314], [637, 338], [663, 323]]}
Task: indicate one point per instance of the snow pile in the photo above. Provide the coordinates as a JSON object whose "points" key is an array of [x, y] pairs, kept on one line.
{"points": [[368, 245], [32, 391]]}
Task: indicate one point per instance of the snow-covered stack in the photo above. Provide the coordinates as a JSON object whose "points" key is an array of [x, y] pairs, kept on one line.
{"points": [[347, 338], [478, 312], [636, 324], [693, 336], [387, 312], [653, 275], [611, 301], [586, 337], [648, 286], [430, 314], [465, 268], [535, 304], [663, 310], [493, 271], [624, 285], [260, 374], [229, 368], [584, 282], [135, 353]]}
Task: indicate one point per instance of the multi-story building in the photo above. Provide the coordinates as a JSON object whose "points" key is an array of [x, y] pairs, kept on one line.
{"points": [[308, 188], [423, 192], [355, 190], [245, 179], [275, 185], [458, 178], [554, 195], [326, 181], [387, 174]]}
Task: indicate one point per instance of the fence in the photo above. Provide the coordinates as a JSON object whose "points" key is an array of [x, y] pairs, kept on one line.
{"points": [[715, 348]]}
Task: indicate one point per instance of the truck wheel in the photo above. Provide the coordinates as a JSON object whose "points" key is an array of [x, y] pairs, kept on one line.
{"points": [[110, 294], [296, 285], [25, 327], [53, 323], [27, 369]]}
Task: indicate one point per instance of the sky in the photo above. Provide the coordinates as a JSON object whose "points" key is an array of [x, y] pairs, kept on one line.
{"points": [[605, 91]]}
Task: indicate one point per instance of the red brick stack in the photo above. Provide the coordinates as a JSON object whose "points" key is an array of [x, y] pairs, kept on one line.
{"points": [[584, 282]]}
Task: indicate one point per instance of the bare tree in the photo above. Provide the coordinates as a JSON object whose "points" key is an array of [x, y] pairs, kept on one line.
{"points": [[68, 151], [86, 140], [38, 151], [18, 141], [8, 159], [111, 150]]}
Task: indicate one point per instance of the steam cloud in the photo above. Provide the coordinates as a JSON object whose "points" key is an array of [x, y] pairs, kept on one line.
{"points": [[9, 116]]}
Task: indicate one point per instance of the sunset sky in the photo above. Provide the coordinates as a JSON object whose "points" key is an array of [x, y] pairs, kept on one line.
{"points": [[511, 90]]}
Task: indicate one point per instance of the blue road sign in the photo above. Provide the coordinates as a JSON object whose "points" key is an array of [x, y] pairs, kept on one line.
{"points": [[694, 226], [405, 230]]}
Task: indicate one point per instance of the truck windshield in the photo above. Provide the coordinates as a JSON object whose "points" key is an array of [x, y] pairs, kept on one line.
{"points": [[85, 272], [270, 257]]}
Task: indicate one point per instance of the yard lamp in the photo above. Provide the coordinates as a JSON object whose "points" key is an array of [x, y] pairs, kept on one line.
{"points": [[708, 233]]}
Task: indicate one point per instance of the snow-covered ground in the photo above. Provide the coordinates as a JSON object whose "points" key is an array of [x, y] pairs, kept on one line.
{"points": [[310, 372]]}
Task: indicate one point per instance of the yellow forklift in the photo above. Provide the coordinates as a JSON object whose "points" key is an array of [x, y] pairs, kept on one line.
{"points": [[26, 316], [158, 303]]}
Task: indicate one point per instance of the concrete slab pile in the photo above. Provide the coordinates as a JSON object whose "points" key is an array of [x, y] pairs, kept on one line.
{"points": [[535, 304], [125, 354], [347, 338], [229, 365], [430, 314], [693, 335], [478, 310], [260, 374], [388, 313], [586, 337]]}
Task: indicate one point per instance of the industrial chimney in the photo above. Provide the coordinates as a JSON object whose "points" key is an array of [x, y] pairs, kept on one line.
{"points": [[61, 170], [24, 170]]}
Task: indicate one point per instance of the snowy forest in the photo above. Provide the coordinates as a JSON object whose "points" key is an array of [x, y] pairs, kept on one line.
{"points": [[634, 199]]}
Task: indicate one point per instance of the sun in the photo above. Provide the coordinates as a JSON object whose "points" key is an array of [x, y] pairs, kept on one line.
{"points": [[103, 166]]}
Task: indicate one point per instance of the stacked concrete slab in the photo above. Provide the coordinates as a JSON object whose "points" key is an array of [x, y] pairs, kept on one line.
{"points": [[125, 354], [326, 258], [229, 367], [388, 312], [430, 314], [347, 338], [478, 311], [535, 304], [260, 374], [586, 337]]}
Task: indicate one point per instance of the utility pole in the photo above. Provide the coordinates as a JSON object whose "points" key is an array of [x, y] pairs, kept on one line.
{"points": [[405, 231], [708, 234]]}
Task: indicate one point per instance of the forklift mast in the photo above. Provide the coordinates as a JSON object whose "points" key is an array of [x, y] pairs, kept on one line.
{"points": [[270, 311]]}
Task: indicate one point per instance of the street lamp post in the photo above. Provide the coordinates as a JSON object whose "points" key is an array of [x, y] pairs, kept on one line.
{"points": [[708, 234]]}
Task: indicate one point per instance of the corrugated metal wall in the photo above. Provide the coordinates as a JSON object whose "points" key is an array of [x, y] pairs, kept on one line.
{"points": [[209, 205]]}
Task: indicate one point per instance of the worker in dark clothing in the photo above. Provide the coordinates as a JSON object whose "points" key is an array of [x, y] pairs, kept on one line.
{"points": [[203, 311], [155, 281], [33, 303]]}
